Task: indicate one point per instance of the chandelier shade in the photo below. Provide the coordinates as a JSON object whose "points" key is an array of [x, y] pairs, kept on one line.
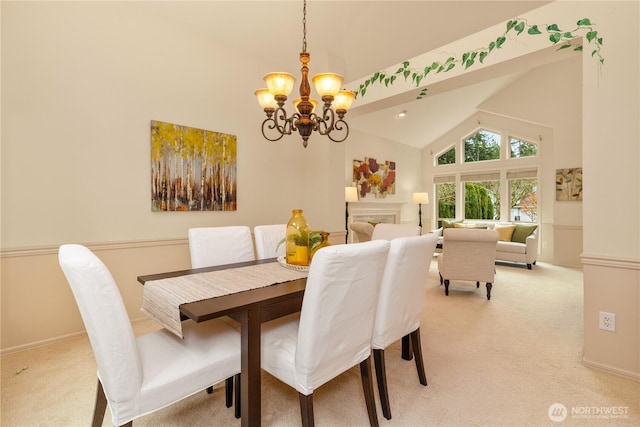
{"points": [[330, 122], [280, 83], [313, 102], [343, 100], [266, 99], [327, 84]]}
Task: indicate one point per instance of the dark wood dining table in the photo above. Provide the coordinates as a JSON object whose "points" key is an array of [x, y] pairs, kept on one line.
{"points": [[250, 308]]}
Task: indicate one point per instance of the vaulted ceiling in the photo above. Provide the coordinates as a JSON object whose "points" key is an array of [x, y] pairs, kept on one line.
{"points": [[358, 38]]}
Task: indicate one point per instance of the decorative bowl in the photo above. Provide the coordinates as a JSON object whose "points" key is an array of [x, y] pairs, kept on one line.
{"points": [[283, 262]]}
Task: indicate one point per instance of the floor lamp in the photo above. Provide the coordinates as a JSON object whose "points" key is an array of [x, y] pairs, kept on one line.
{"points": [[420, 199], [350, 195]]}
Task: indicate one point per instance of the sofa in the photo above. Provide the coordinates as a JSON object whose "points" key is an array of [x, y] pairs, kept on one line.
{"points": [[516, 242]]}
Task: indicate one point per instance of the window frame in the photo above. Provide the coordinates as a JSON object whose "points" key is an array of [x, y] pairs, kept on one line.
{"points": [[503, 167]]}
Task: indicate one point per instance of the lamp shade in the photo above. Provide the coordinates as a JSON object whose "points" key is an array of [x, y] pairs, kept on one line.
{"points": [[343, 100], [420, 198], [266, 99], [327, 83], [280, 83], [351, 194]]}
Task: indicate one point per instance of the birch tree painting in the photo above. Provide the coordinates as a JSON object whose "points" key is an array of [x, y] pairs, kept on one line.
{"points": [[192, 169]]}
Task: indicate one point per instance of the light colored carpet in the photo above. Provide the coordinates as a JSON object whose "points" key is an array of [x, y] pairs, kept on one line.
{"points": [[502, 362]]}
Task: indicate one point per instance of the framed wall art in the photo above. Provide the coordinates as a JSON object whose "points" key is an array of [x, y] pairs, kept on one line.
{"points": [[569, 184], [371, 177], [192, 169]]}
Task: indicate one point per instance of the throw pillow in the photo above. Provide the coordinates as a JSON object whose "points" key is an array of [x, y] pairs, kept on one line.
{"points": [[522, 231], [504, 231], [449, 223], [459, 225]]}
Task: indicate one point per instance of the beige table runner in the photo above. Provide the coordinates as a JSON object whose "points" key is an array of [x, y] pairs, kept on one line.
{"points": [[162, 298]]}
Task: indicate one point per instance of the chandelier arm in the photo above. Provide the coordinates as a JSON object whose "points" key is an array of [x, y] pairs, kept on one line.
{"points": [[282, 124], [339, 126], [293, 121], [270, 123], [325, 124], [277, 120]]}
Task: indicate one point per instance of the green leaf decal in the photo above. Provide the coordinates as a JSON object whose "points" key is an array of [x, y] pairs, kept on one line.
{"points": [[468, 59], [534, 30]]}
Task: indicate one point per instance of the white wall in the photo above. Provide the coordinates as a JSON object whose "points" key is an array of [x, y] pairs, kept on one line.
{"points": [[611, 159], [81, 82], [408, 169]]}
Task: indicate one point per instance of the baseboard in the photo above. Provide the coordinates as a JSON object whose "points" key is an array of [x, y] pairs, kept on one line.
{"points": [[610, 369], [53, 340], [40, 343]]}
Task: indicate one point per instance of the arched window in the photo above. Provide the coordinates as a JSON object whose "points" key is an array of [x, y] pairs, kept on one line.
{"points": [[492, 183]]}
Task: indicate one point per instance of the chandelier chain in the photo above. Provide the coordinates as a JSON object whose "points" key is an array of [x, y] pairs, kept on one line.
{"points": [[304, 26]]}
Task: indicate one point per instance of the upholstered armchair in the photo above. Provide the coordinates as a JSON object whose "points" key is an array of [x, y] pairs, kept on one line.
{"points": [[468, 255], [363, 230], [393, 231]]}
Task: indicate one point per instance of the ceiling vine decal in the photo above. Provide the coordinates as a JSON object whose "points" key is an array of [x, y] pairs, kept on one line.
{"points": [[517, 26]]}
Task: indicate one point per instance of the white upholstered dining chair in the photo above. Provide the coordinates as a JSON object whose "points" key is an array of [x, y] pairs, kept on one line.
{"points": [[400, 305], [140, 375], [468, 255], [267, 238], [393, 231], [332, 333], [212, 246]]}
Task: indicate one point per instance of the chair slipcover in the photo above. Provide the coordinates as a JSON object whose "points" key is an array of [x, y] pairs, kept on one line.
{"points": [[333, 331], [392, 231], [267, 239], [402, 288], [468, 254], [141, 375], [400, 303], [211, 246]]}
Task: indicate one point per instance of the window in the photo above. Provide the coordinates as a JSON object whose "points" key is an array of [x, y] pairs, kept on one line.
{"points": [[446, 197], [519, 148], [481, 146], [482, 195], [447, 158], [523, 195], [495, 182]]}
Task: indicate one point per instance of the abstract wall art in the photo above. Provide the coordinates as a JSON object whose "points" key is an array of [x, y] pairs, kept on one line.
{"points": [[371, 177], [569, 184]]}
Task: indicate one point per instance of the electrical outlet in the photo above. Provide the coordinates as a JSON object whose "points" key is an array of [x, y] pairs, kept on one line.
{"points": [[544, 244], [607, 321]]}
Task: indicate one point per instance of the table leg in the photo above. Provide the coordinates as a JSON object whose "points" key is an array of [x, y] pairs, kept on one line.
{"points": [[406, 348], [251, 382]]}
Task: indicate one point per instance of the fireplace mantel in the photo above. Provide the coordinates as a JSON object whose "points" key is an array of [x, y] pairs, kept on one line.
{"points": [[386, 212]]}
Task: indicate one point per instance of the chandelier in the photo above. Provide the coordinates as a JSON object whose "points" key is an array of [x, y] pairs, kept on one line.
{"points": [[336, 102]]}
